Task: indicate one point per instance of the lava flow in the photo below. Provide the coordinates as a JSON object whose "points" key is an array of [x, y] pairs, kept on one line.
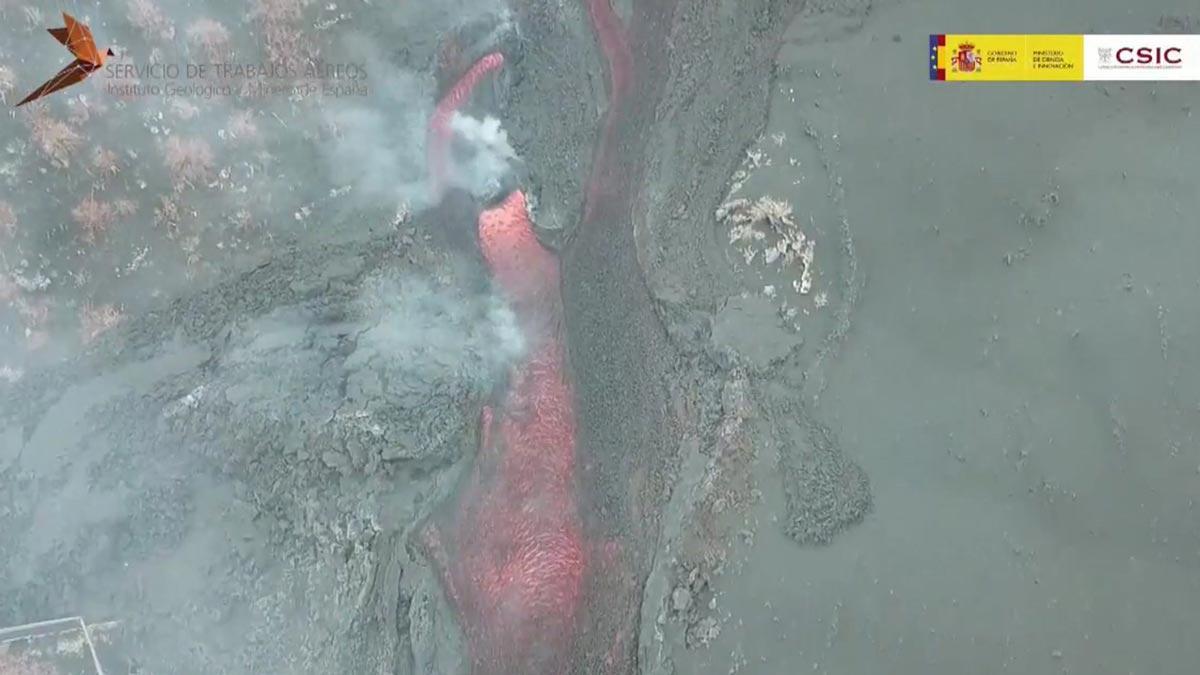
{"points": [[510, 555], [510, 551], [511, 558], [439, 125]]}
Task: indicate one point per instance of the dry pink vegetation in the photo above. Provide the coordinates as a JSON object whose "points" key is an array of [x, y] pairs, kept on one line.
{"points": [[183, 109], [22, 665], [212, 38], [55, 138], [8, 82], [8, 221], [166, 212], [35, 313], [283, 35], [190, 161], [96, 320], [106, 162], [9, 288], [35, 340], [124, 207], [149, 18], [84, 109], [94, 217], [242, 125], [8, 291], [283, 11]]}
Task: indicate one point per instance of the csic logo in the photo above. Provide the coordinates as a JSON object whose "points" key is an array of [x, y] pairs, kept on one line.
{"points": [[1150, 56]]}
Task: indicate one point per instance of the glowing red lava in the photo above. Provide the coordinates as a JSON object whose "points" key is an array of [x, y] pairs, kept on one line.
{"points": [[439, 124], [510, 556], [510, 553], [512, 561]]}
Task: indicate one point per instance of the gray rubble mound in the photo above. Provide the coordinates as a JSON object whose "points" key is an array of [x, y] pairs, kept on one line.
{"points": [[826, 492]]}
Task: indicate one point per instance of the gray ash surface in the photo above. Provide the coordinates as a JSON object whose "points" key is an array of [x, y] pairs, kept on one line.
{"points": [[232, 469]]}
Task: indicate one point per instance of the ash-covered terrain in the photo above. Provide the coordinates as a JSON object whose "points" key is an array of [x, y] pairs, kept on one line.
{"points": [[246, 340], [837, 407]]}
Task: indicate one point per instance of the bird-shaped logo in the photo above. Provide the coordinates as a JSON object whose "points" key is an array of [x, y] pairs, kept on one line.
{"points": [[77, 38]]}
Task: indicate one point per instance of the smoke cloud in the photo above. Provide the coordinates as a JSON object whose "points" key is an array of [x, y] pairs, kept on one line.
{"points": [[378, 146], [441, 327], [488, 158]]}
